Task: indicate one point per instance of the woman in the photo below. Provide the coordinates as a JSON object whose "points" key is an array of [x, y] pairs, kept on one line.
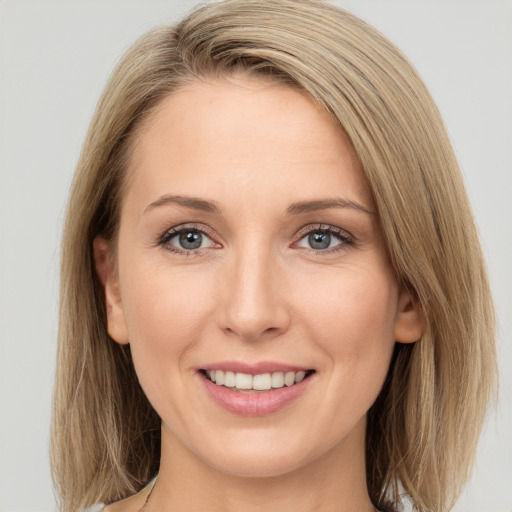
{"points": [[272, 291]]}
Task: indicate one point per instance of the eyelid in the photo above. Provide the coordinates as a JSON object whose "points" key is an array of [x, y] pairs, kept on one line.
{"points": [[328, 228], [170, 233], [346, 238]]}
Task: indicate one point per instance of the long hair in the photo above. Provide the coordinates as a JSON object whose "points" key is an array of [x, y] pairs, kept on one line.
{"points": [[423, 429]]}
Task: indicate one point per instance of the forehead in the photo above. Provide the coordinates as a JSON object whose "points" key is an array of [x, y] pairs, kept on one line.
{"points": [[247, 134]]}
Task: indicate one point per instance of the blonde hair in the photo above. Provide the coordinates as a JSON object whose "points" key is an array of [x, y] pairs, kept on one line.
{"points": [[423, 429]]}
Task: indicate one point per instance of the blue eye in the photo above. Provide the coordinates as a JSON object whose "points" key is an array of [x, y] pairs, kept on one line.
{"points": [[322, 238], [186, 240], [190, 239], [319, 240]]}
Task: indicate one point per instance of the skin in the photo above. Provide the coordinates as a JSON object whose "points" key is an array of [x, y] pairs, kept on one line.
{"points": [[255, 291]]}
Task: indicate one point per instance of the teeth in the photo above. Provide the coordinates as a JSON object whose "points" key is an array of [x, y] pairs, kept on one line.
{"points": [[261, 382], [289, 378], [299, 376], [277, 380], [243, 381], [229, 379]]}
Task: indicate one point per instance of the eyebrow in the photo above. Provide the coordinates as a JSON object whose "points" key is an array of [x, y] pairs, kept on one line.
{"points": [[193, 203], [325, 204], [203, 205]]}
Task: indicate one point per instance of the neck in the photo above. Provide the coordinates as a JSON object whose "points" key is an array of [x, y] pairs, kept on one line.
{"points": [[335, 482]]}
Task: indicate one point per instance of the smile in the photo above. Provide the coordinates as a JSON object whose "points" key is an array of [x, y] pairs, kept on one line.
{"points": [[260, 382], [257, 393]]}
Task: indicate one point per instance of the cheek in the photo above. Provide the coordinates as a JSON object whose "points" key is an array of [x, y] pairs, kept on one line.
{"points": [[160, 298], [352, 318], [165, 313], [352, 324]]}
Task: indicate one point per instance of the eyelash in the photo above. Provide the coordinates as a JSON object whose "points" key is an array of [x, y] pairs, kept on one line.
{"points": [[184, 228], [346, 239]]}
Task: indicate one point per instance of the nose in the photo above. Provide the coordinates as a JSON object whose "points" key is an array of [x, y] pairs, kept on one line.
{"points": [[253, 305]]}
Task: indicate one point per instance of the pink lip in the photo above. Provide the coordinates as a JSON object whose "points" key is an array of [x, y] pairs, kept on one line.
{"points": [[254, 368], [258, 403]]}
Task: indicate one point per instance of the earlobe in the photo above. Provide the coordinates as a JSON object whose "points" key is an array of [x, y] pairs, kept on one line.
{"points": [[410, 322], [107, 273]]}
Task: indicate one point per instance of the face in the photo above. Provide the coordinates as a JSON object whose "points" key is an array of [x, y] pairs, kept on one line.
{"points": [[250, 254]]}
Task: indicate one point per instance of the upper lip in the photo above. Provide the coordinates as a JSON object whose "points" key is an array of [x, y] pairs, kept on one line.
{"points": [[255, 368]]}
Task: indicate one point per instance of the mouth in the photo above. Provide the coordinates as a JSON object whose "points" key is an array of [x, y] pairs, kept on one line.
{"points": [[263, 382]]}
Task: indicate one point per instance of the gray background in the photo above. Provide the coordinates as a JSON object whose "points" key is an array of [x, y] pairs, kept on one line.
{"points": [[54, 60]]}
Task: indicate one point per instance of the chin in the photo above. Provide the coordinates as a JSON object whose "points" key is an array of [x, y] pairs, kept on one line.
{"points": [[267, 466], [260, 456]]}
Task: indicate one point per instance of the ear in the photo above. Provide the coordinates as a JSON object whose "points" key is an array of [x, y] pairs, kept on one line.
{"points": [[410, 322], [107, 272]]}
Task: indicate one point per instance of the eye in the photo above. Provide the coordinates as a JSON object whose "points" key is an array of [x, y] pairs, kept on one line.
{"points": [[326, 239], [189, 239], [186, 239]]}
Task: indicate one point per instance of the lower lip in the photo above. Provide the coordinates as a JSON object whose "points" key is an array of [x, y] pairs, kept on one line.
{"points": [[258, 403]]}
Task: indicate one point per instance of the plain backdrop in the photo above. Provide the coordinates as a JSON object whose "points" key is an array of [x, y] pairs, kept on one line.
{"points": [[55, 57]]}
